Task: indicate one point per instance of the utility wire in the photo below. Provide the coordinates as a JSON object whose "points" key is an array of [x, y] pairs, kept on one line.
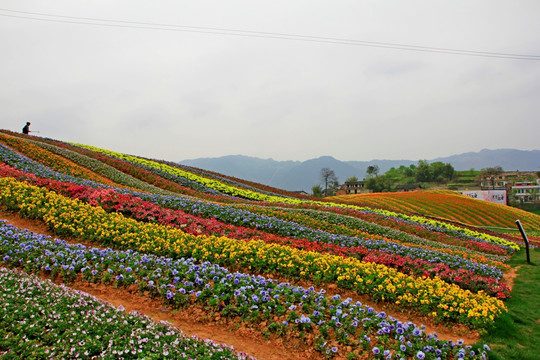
{"points": [[260, 34]]}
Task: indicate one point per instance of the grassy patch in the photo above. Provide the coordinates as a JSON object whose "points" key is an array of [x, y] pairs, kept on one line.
{"points": [[516, 335]]}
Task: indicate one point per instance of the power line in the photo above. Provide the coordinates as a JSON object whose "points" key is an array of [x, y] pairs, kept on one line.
{"points": [[249, 33]]}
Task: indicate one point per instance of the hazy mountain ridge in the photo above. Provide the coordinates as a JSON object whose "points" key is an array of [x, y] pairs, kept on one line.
{"points": [[302, 175]]}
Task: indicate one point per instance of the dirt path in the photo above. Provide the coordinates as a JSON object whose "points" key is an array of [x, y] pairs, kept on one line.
{"points": [[242, 339]]}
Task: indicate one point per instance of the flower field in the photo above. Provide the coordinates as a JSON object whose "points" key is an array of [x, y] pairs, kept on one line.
{"points": [[344, 281], [448, 205]]}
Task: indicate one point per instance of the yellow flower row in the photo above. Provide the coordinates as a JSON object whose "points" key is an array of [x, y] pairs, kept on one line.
{"points": [[211, 183], [74, 218]]}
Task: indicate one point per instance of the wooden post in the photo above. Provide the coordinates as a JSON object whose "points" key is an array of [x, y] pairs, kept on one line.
{"points": [[526, 240]]}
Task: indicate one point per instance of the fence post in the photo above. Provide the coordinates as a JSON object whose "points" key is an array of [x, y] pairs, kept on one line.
{"points": [[526, 240]]}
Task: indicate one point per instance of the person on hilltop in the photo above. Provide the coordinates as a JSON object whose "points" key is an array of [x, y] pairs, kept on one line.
{"points": [[26, 128]]}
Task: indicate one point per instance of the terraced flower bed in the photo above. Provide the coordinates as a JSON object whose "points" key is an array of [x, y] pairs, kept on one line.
{"points": [[191, 239], [413, 263], [329, 322], [73, 218]]}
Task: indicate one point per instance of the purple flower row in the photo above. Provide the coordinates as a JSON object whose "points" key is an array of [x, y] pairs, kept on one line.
{"points": [[33, 313]]}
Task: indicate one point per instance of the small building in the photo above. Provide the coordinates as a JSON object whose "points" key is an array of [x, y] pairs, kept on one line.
{"points": [[408, 187], [526, 192], [505, 180], [355, 187], [497, 181]]}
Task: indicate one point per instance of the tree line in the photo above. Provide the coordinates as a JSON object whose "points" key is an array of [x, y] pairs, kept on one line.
{"points": [[423, 172]]}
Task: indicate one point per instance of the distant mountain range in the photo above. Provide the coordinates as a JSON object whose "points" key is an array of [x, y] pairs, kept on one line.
{"points": [[302, 175]]}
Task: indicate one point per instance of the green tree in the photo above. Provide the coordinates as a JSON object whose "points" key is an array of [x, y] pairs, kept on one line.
{"points": [[333, 187], [393, 174], [437, 171], [449, 171], [351, 179], [372, 170], [317, 191], [410, 171], [423, 171], [378, 184], [441, 172]]}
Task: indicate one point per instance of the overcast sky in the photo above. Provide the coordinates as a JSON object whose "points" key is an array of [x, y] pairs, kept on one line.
{"points": [[223, 82]]}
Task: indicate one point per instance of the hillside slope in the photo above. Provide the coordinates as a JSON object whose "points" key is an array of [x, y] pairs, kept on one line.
{"points": [[240, 254]]}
